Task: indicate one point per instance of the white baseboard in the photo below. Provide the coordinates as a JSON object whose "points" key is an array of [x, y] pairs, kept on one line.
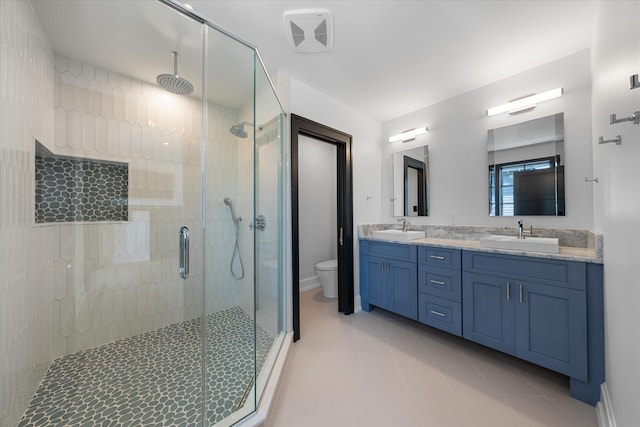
{"points": [[604, 410], [309, 283]]}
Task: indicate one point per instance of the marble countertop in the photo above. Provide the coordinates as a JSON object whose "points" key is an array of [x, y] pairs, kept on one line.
{"points": [[566, 253]]}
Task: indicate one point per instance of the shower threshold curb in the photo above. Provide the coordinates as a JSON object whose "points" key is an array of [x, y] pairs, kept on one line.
{"points": [[261, 416]]}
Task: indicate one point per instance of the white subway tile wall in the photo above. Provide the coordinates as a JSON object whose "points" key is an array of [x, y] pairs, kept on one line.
{"points": [[138, 259], [115, 266], [224, 178], [26, 287]]}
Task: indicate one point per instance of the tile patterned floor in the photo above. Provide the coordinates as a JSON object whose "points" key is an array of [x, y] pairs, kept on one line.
{"points": [[380, 370], [153, 379]]}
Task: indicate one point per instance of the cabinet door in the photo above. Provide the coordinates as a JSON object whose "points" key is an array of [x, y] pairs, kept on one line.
{"points": [[552, 328], [373, 280], [403, 288], [488, 311]]}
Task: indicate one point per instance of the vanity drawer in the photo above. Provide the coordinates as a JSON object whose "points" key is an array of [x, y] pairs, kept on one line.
{"points": [[439, 257], [440, 282], [399, 251], [440, 313], [567, 274]]}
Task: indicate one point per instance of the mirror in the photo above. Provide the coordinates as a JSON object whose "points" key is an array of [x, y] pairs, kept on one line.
{"points": [[411, 182], [526, 168]]}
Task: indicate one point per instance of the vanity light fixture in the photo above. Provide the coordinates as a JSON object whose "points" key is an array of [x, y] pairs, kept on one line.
{"points": [[408, 135], [525, 103]]}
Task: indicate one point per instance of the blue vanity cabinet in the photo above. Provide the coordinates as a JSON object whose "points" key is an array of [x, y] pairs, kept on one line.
{"points": [[547, 311], [533, 308], [388, 277], [373, 281], [440, 288], [489, 316], [551, 328]]}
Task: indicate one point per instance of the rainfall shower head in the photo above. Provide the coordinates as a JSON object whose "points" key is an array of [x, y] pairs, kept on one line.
{"points": [[239, 130], [173, 82]]}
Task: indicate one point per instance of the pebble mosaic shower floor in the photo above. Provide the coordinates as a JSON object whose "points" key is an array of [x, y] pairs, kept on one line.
{"points": [[153, 379]]}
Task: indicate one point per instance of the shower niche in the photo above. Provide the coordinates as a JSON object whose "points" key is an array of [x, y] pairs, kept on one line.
{"points": [[79, 189]]}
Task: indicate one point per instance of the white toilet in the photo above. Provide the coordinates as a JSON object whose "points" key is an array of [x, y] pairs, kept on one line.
{"points": [[327, 272]]}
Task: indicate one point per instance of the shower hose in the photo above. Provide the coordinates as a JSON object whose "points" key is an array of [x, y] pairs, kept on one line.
{"points": [[236, 253]]}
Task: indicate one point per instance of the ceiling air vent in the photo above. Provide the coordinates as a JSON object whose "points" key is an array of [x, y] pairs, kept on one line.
{"points": [[309, 30]]}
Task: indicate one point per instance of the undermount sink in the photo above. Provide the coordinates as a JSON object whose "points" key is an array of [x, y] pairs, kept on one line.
{"points": [[534, 244], [398, 235]]}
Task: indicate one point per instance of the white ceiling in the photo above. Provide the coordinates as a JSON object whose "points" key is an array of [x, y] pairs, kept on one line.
{"points": [[393, 57], [389, 57]]}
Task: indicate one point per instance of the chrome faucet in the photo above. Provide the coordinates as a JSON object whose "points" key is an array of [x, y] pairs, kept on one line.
{"points": [[405, 224]]}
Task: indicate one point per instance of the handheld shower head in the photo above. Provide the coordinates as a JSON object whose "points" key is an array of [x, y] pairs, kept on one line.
{"points": [[236, 249], [228, 202]]}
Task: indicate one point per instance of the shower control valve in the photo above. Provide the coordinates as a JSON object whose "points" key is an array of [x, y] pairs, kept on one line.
{"points": [[260, 223]]}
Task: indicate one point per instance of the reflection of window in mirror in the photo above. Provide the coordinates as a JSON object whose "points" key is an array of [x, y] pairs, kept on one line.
{"points": [[526, 169], [526, 188]]}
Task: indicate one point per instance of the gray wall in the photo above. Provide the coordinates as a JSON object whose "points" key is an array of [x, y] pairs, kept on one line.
{"points": [[317, 205]]}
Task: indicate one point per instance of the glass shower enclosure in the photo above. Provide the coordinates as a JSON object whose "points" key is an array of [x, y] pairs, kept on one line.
{"points": [[142, 179]]}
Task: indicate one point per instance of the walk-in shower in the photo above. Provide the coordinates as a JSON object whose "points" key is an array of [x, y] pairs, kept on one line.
{"points": [[101, 169]]}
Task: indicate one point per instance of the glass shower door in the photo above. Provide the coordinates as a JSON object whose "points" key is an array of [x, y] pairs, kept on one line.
{"points": [[229, 347], [269, 226], [244, 312]]}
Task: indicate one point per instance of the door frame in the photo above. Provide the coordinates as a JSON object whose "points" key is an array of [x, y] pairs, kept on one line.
{"points": [[410, 162], [342, 141]]}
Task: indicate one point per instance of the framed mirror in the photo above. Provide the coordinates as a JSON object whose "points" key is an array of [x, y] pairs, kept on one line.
{"points": [[411, 182], [526, 168]]}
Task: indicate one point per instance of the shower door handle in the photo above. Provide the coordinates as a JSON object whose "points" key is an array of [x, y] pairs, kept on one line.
{"points": [[184, 252]]}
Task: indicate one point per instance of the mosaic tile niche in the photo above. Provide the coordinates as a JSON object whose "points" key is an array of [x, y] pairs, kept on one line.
{"points": [[74, 189]]}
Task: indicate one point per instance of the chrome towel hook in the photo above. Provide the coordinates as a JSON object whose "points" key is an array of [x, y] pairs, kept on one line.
{"points": [[617, 140], [635, 118]]}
